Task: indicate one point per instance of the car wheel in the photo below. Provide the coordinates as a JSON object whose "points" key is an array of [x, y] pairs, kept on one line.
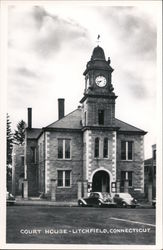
{"points": [[124, 204], [154, 205], [99, 204], [80, 204]]}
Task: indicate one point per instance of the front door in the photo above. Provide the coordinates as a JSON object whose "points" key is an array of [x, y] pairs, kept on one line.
{"points": [[101, 182]]}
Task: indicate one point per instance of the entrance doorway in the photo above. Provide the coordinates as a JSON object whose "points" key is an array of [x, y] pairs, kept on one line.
{"points": [[101, 182]]}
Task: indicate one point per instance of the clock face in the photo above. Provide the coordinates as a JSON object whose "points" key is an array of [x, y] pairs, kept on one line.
{"points": [[100, 81]]}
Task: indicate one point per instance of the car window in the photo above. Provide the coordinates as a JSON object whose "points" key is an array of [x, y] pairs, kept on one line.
{"points": [[96, 195], [125, 195], [116, 195]]}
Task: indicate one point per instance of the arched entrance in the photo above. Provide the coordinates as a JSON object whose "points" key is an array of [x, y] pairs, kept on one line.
{"points": [[101, 182]]}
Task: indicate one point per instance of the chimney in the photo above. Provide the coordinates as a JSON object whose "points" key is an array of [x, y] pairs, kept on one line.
{"points": [[29, 117], [61, 108]]}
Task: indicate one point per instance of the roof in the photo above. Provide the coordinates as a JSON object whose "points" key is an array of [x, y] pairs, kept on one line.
{"points": [[126, 127], [73, 121], [98, 61], [98, 54], [70, 121], [33, 133]]}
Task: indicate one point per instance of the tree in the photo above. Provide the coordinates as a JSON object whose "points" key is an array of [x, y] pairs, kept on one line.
{"points": [[9, 150], [9, 141], [19, 135]]}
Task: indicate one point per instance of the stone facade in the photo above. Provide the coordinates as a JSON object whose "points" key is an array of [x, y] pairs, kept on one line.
{"points": [[74, 164], [32, 167], [88, 149], [17, 169], [150, 176]]}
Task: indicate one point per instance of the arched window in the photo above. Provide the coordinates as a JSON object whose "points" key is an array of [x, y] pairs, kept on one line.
{"points": [[105, 148], [96, 153]]}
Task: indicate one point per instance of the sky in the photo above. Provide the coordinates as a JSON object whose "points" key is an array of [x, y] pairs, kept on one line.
{"points": [[50, 44]]}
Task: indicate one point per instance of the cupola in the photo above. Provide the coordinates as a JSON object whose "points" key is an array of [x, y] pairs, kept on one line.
{"points": [[98, 61], [98, 54]]}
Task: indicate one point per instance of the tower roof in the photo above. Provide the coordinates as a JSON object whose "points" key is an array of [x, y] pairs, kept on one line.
{"points": [[98, 61], [98, 54]]}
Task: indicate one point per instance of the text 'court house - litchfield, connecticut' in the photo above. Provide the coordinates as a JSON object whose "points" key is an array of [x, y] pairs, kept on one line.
{"points": [[86, 150]]}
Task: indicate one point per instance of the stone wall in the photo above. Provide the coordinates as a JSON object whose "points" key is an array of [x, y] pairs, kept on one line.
{"points": [[96, 163], [91, 107], [75, 163], [17, 169], [41, 164], [136, 165], [32, 168]]}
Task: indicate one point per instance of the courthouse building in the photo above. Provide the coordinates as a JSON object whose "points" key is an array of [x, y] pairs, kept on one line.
{"points": [[88, 149]]}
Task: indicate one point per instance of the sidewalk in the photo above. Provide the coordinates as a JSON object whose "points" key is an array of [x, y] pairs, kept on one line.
{"points": [[35, 201], [145, 205]]}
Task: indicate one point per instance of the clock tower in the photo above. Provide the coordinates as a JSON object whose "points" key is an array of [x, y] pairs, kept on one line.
{"points": [[99, 99]]}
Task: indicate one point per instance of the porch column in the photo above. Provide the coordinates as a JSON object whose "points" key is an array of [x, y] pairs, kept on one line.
{"points": [[126, 186], [118, 187], [25, 190], [53, 189], [85, 188], [79, 189]]}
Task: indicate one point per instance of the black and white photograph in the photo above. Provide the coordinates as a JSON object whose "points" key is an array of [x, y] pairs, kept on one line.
{"points": [[81, 125]]}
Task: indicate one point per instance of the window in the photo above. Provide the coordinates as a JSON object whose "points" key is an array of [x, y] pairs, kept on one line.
{"points": [[129, 143], [67, 178], [123, 177], [64, 149], [60, 148], [96, 153], [60, 178], [126, 150], [64, 178], [126, 175], [33, 154], [101, 117], [67, 149], [105, 148], [130, 179]]}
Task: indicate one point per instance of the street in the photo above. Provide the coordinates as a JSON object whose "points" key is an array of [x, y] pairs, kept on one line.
{"points": [[75, 225]]}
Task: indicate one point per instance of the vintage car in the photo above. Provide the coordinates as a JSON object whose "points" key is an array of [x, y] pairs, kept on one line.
{"points": [[97, 199], [10, 199], [124, 200]]}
